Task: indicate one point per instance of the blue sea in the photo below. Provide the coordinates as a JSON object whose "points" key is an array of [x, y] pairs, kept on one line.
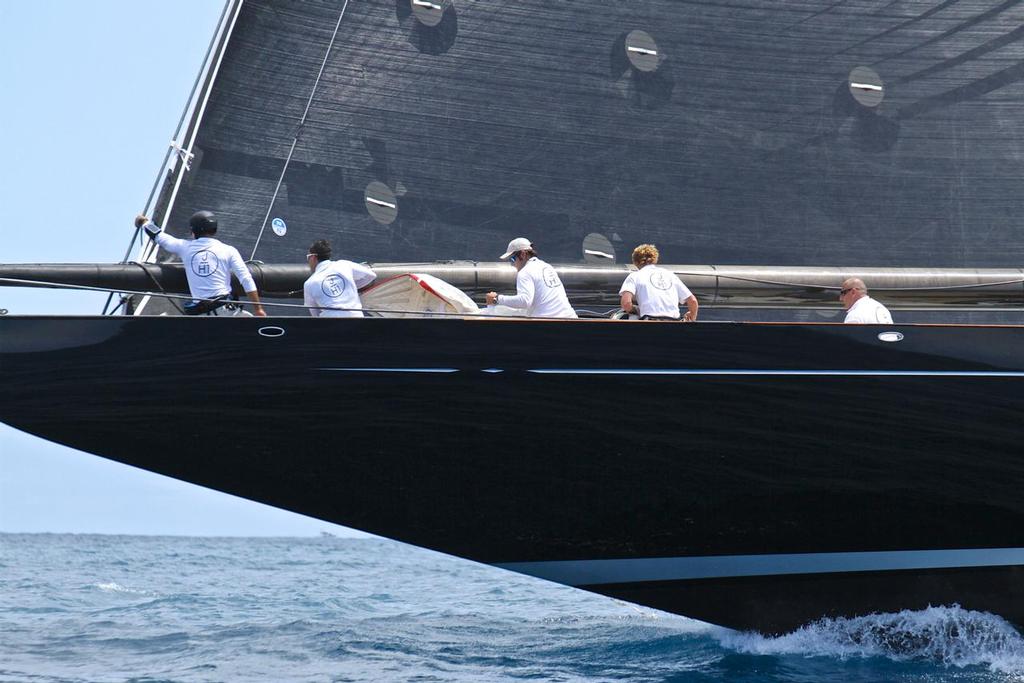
{"points": [[134, 608]]}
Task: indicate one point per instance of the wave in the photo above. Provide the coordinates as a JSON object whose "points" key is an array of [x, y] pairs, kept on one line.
{"points": [[114, 587], [950, 635]]}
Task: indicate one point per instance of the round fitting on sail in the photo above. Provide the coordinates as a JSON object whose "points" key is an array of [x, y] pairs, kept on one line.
{"points": [[429, 12], [642, 51], [598, 249], [381, 203], [866, 86]]}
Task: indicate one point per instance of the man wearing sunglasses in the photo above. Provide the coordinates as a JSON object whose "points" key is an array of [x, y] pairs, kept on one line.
{"points": [[332, 291], [539, 290], [860, 307]]}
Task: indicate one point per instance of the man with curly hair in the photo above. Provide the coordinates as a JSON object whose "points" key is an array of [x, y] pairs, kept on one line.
{"points": [[656, 291]]}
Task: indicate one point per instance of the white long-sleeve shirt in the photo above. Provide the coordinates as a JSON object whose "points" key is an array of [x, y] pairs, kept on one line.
{"points": [[209, 264], [539, 290], [867, 310], [658, 291], [335, 285]]}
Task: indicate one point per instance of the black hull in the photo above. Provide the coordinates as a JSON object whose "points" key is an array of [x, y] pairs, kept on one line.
{"points": [[753, 475], [778, 604]]}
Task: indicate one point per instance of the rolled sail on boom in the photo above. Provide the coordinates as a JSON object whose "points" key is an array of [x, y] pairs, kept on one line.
{"points": [[724, 286]]}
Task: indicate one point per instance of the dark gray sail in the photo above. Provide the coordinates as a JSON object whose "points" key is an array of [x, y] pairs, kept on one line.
{"points": [[763, 133]]}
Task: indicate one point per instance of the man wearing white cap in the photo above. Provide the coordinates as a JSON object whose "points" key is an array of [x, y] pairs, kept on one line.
{"points": [[538, 287]]}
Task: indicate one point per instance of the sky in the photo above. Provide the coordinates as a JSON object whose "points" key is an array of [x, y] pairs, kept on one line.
{"points": [[90, 96]]}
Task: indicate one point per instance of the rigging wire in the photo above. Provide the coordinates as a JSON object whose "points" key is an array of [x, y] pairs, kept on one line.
{"points": [[298, 130], [124, 299], [169, 296], [159, 286], [716, 275], [173, 146], [804, 285]]}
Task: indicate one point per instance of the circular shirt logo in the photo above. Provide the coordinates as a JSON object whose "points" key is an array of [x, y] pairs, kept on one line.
{"points": [[660, 280], [550, 277], [204, 263], [333, 286], [279, 227]]}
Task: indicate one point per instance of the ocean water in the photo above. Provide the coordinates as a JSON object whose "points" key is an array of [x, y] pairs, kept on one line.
{"points": [[131, 608]]}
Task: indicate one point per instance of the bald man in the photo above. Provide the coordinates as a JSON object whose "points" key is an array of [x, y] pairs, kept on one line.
{"points": [[861, 308]]}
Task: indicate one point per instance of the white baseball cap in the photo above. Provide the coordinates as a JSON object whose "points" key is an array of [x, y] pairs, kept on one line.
{"points": [[518, 244]]}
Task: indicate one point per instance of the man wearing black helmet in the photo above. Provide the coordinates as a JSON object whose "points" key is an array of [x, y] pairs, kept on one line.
{"points": [[208, 263]]}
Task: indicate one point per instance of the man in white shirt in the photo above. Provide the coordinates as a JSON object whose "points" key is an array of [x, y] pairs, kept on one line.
{"points": [[860, 307], [208, 263], [332, 291], [657, 291], [539, 290]]}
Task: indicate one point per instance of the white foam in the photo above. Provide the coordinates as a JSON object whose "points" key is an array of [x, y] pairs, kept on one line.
{"points": [[951, 636], [112, 587], [642, 612]]}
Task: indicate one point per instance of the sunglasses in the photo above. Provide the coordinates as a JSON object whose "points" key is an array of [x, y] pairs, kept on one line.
{"points": [[843, 292], [513, 258]]}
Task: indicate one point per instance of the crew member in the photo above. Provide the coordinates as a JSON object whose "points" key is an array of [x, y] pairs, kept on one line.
{"points": [[332, 291], [657, 291], [208, 263], [538, 288], [860, 307]]}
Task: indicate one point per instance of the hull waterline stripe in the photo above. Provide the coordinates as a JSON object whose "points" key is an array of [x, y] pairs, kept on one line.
{"points": [[713, 372], [420, 370], [596, 572], [784, 373]]}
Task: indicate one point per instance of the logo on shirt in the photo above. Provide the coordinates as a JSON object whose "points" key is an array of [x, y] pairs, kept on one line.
{"points": [[333, 286], [204, 263], [660, 280], [550, 277]]}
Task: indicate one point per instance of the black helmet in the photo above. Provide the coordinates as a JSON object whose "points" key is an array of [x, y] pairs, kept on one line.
{"points": [[203, 223]]}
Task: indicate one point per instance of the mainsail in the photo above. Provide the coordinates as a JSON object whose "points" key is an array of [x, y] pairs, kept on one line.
{"points": [[783, 134]]}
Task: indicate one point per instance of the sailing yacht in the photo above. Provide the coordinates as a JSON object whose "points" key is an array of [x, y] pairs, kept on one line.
{"points": [[760, 469]]}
